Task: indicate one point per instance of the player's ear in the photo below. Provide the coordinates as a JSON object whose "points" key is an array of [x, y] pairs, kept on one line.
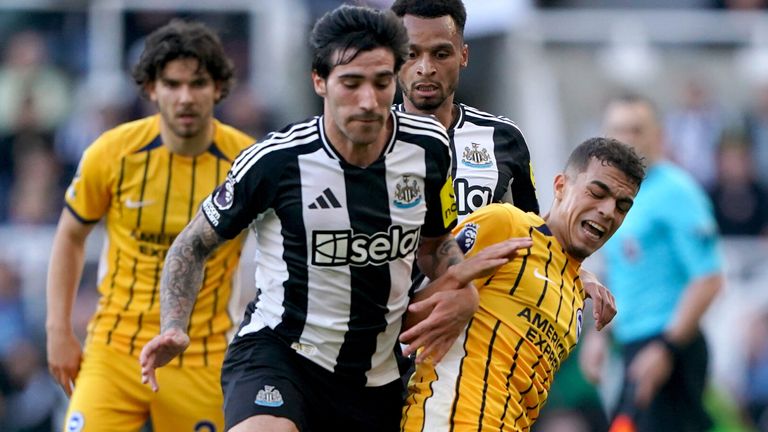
{"points": [[319, 83], [559, 186], [149, 90], [464, 55]]}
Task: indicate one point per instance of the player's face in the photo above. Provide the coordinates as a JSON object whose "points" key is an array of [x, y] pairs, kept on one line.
{"points": [[185, 97], [589, 207], [436, 53], [635, 124], [358, 97]]}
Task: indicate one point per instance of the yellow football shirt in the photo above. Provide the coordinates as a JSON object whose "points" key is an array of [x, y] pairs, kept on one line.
{"points": [[498, 373], [147, 195]]}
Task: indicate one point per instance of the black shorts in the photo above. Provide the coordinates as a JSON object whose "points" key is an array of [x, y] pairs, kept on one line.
{"points": [[678, 405], [263, 375]]}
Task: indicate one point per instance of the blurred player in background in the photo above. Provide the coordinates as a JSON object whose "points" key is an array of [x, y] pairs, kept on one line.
{"points": [[665, 268], [146, 179], [497, 374]]}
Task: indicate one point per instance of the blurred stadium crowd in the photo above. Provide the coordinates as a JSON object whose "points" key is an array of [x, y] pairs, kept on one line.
{"points": [[50, 112]]}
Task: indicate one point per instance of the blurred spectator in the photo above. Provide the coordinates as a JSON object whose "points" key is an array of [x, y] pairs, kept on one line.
{"points": [[32, 397], [740, 4], [101, 103], [35, 197], [33, 92], [11, 308], [243, 110], [756, 391], [740, 202], [693, 132], [756, 125]]}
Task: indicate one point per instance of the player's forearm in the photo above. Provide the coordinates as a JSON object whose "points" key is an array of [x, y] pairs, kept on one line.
{"points": [[694, 304], [183, 272], [437, 254], [64, 272]]}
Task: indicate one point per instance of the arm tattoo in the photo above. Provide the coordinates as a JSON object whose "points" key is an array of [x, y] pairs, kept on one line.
{"points": [[183, 272], [436, 255]]}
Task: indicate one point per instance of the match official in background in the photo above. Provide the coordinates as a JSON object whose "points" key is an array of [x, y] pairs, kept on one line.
{"points": [[665, 269]]}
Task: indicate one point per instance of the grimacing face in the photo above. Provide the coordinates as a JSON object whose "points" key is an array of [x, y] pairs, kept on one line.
{"points": [[185, 97], [359, 95], [589, 207], [436, 54]]}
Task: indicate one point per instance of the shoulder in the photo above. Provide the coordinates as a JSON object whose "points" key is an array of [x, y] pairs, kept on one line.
{"points": [[230, 140], [127, 138], [482, 118], [414, 125], [278, 147], [678, 184]]}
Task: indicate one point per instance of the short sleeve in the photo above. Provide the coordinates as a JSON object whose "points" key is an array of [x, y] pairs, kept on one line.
{"points": [[248, 191], [486, 226], [442, 212], [694, 235], [89, 194]]}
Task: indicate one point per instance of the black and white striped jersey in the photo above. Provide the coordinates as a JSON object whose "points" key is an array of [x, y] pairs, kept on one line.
{"points": [[491, 162], [336, 242]]}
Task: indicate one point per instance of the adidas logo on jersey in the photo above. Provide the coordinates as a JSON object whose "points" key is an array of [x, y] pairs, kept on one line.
{"points": [[326, 200], [269, 396]]}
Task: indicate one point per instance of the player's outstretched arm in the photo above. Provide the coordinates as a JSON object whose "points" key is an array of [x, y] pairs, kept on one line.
{"points": [[182, 277], [440, 311]]}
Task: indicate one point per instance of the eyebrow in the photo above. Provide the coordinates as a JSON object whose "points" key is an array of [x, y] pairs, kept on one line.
{"points": [[436, 47], [605, 187], [356, 75]]}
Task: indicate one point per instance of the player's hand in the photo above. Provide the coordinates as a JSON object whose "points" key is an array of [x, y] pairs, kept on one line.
{"points": [[649, 370], [603, 302], [485, 262], [159, 351], [64, 354], [592, 354], [450, 312]]}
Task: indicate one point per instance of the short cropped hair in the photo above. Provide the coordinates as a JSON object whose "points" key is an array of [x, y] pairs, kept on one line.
{"points": [[433, 9], [184, 40], [350, 30], [632, 98], [608, 151]]}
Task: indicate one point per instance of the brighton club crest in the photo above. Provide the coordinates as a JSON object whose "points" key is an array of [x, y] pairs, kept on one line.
{"points": [[407, 193], [476, 157]]}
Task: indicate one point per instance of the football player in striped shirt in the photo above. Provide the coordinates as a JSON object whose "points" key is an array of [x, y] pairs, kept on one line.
{"points": [[146, 179], [342, 203], [497, 374], [490, 158]]}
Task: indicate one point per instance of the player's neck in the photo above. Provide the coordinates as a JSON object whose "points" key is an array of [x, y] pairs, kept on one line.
{"points": [[360, 155], [187, 146], [446, 113]]}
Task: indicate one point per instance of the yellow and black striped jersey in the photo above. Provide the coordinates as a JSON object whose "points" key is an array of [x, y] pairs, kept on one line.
{"points": [[147, 195], [498, 373]]}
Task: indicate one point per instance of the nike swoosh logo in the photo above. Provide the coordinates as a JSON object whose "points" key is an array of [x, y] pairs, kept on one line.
{"points": [[541, 276], [131, 204]]}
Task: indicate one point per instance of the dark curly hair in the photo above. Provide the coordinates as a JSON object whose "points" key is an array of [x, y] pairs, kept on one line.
{"points": [[353, 29], [433, 9], [611, 152], [181, 40]]}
